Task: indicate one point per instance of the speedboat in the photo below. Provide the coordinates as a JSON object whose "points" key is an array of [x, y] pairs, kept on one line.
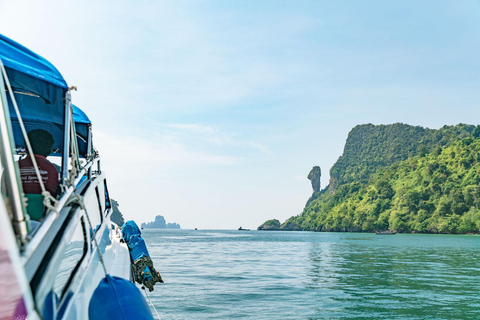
{"points": [[385, 232], [57, 250]]}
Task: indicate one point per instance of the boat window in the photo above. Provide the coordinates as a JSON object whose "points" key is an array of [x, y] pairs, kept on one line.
{"points": [[101, 204], [93, 210], [100, 189], [72, 256], [108, 204]]}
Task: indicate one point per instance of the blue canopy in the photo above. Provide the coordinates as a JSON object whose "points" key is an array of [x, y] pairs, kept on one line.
{"points": [[79, 116], [82, 127], [17, 57], [39, 91], [32, 75]]}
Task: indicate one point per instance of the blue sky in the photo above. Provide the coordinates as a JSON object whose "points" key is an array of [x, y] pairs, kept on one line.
{"points": [[212, 113]]}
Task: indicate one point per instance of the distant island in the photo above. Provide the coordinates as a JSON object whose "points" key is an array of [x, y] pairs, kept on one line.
{"points": [[160, 223], [397, 177]]}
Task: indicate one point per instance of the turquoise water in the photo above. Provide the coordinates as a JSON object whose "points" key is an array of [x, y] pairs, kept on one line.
{"points": [[307, 275]]}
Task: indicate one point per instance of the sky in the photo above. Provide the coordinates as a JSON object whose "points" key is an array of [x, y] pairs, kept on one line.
{"points": [[212, 113]]}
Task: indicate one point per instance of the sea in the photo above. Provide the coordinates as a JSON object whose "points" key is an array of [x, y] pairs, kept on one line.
{"points": [[231, 274]]}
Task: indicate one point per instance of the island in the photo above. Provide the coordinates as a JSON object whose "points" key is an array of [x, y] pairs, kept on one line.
{"points": [[160, 223], [272, 224], [397, 177]]}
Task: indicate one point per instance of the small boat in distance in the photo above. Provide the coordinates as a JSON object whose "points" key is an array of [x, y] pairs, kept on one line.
{"points": [[241, 229], [385, 232]]}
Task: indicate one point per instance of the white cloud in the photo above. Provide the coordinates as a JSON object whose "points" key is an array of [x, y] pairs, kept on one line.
{"points": [[149, 154]]}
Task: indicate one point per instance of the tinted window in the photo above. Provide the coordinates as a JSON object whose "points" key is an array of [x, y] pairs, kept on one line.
{"points": [[107, 196], [101, 196], [93, 209], [72, 256]]}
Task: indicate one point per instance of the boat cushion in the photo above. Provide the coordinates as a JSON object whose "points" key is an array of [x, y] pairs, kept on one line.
{"points": [[35, 208], [117, 298]]}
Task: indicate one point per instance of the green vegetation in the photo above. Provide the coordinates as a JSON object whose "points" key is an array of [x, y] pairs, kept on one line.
{"points": [[272, 224], [370, 147], [117, 215], [388, 180]]}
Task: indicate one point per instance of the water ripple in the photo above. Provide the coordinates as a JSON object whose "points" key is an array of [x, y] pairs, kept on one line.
{"points": [[304, 275]]}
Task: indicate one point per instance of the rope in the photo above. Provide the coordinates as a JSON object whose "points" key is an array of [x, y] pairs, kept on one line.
{"points": [[148, 298], [48, 199]]}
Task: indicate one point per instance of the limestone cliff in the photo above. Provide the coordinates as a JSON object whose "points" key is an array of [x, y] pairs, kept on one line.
{"points": [[399, 177]]}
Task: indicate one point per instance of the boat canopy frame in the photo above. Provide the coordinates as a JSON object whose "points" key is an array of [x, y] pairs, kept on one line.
{"points": [[44, 100]]}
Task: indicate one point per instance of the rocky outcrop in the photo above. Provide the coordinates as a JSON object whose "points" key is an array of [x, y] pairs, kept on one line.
{"points": [[290, 226], [160, 223], [314, 176], [269, 225]]}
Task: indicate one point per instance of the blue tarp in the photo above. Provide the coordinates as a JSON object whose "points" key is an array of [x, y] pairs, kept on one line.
{"points": [[138, 248], [129, 229], [133, 237], [143, 270]]}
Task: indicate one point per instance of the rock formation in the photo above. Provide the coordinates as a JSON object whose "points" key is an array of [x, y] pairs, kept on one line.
{"points": [[160, 223], [314, 177], [272, 224]]}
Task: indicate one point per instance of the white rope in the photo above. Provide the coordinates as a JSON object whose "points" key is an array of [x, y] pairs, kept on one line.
{"points": [[148, 298], [48, 199]]}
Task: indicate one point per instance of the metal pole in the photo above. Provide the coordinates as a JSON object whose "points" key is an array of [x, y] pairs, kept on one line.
{"points": [[90, 153], [66, 137], [10, 170], [89, 141]]}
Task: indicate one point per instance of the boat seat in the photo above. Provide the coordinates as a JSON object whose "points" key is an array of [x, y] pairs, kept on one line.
{"points": [[35, 208]]}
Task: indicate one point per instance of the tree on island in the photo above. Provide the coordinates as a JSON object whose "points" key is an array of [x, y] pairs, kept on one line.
{"points": [[117, 215]]}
